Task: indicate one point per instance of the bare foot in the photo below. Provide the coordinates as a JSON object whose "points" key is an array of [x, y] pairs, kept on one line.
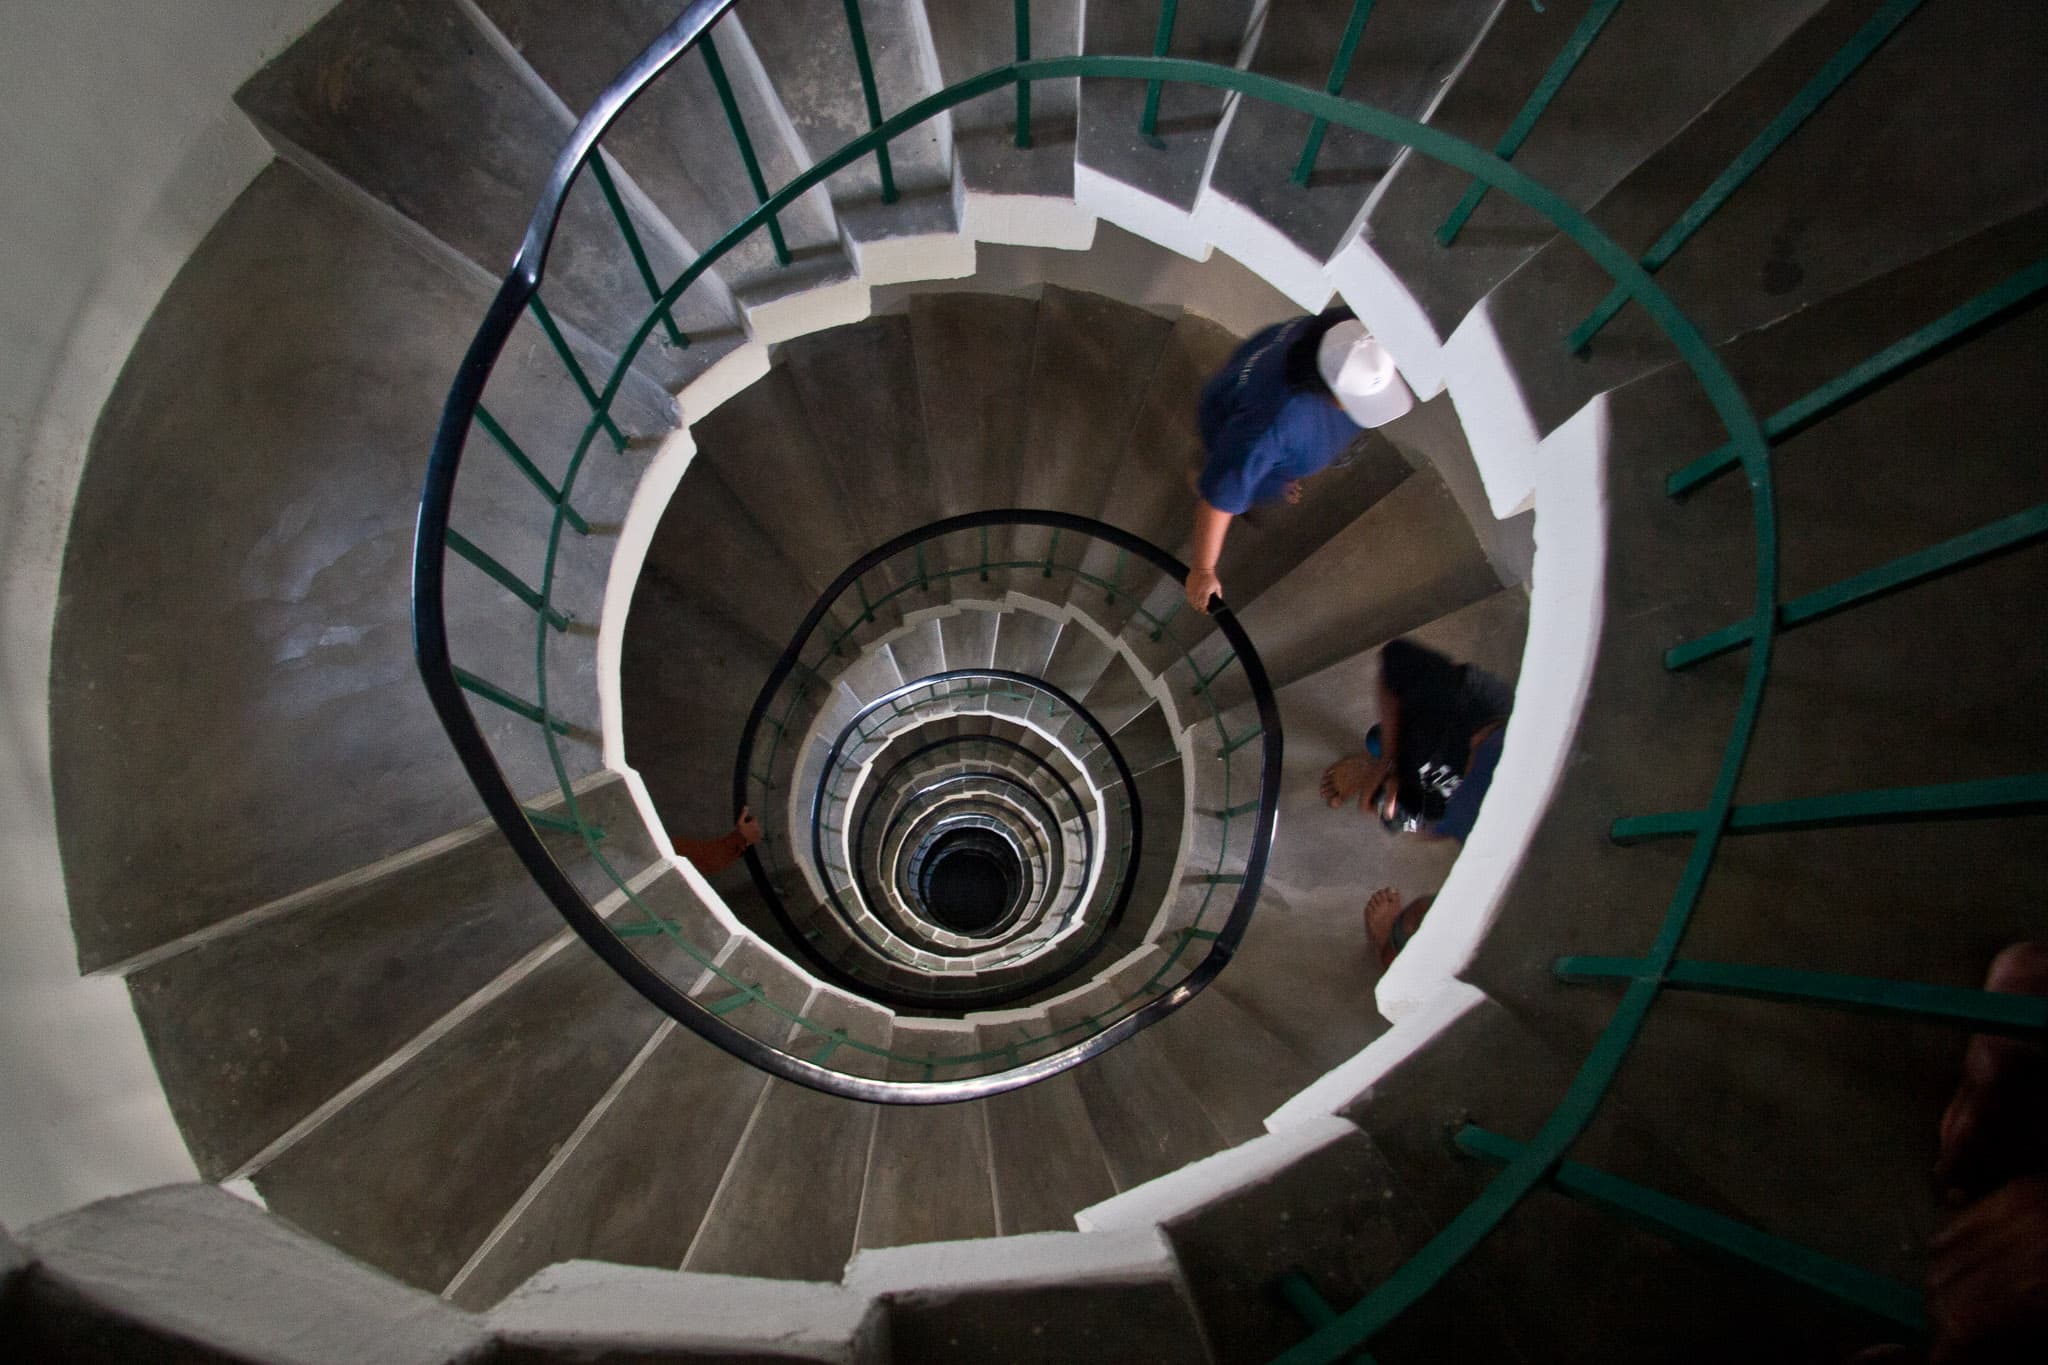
{"points": [[1996, 1126], [1381, 909], [1354, 775], [1293, 492]]}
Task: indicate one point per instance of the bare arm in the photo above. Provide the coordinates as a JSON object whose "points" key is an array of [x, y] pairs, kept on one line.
{"points": [[713, 856], [1205, 550]]}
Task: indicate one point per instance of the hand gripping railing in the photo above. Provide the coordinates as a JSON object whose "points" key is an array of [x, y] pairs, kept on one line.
{"points": [[1524, 1164]]}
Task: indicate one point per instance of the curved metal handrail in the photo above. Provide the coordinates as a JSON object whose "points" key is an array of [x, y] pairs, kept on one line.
{"points": [[1747, 444], [993, 997]]}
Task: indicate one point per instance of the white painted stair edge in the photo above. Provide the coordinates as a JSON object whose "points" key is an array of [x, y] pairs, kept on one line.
{"points": [[1563, 478]]}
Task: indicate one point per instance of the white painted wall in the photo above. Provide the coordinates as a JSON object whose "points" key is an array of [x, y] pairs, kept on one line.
{"points": [[122, 148]]}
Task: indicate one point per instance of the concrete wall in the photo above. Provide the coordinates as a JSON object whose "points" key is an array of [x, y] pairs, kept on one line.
{"points": [[122, 149]]}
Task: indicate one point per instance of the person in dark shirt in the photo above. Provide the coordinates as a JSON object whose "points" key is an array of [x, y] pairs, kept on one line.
{"points": [[1285, 406], [1430, 760]]}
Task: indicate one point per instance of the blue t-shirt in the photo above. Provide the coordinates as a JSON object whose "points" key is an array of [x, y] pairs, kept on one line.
{"points": [[1262, 434]]}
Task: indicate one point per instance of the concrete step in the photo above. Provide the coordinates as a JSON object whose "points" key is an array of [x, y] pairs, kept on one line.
{"points": [[766, 450], [415, 1173], [806, 51], [1337, 1214], [671, 142], [1405, 57], [1047, 1160], [193, 1272], [1646, 76], [1846, 235], [1238, 1070], [789, 1203], [1149, 1120], [1268, 542], [852, 382], [1061, 1299], [688, 678], [412, 104], [709, 550], [632, 1185], [1289, 957], [930, 1178], [1170, 165], [971, 36], [1679, 569], [973, 384], [273, 698], [1413, 547], [1090, 361], [254, 1029], [1153, 498]]}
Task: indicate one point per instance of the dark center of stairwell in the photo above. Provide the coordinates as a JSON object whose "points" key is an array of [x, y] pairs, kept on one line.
{"points": [[969, 885]]}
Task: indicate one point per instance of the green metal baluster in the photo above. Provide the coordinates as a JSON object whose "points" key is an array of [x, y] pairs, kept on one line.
{"points": [[1051, 550], [1148, 126], [1518, 131], [1815, 93], [984, 554], [603, 177], [531, 471], [505, 578], [1116, 580], [1988, 796], [745, 144], [1023, 9], [1159, 629], [1898, 359], [1312, 1308], [561, 345], [549, 820], [1688, 1222], [1982, 1011], [867, 612], [518, 706], [923, 581], [1340, 69], [869, 93], [1986, 542]]}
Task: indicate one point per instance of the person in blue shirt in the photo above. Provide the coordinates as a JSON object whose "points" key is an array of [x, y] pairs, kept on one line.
{"points": [[1283, 407]]}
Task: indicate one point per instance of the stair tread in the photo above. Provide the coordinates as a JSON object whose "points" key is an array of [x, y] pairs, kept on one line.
{"points": [[790, 1200], [1048, 1162], [1645, 77], [1237, 1069], [635, 1190], [287, 645], [491, 1099], [699, 182], [1406, 54], [1091, 358], [440, 128], [1148, 1120], [252, 1031]]}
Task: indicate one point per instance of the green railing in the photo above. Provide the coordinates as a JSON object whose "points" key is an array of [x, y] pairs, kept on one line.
{"points": [[1543, 1158]]}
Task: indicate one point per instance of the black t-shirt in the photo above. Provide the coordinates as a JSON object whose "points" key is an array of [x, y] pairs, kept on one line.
{"points": [[1442, 706]]}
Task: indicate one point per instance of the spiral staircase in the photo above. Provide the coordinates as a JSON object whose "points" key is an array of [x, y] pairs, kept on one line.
{"points": [[840, 474]]}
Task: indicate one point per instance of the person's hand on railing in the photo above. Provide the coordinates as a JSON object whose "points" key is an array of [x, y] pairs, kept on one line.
{"points": [[747, 828], [1202, 585]]}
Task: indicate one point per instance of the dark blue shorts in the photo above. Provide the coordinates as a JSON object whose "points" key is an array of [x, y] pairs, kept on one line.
{"points": [[1461, 812]]}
